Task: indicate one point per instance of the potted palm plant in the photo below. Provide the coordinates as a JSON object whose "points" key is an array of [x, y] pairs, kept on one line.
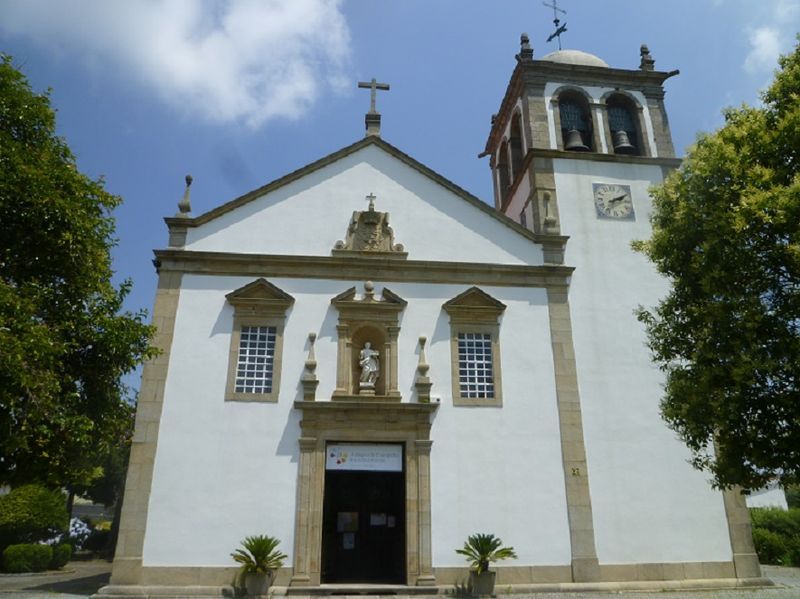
{"points": [[259, 557], [481, 550]]}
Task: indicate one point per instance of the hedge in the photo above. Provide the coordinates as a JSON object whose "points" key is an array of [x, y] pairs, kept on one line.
{"points": [[776, 534], [27, 558], [31, 513], [61, 556]]}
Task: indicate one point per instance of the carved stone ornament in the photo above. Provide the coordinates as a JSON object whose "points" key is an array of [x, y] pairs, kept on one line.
{"points": [[369, 233]]}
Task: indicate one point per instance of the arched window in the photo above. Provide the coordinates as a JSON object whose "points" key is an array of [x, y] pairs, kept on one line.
{"points": [[515, 143], [576, 122], [625, 138], [502, 169]]}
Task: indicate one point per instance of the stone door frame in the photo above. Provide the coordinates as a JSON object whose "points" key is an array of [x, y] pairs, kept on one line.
{"points": [[356, 422]]}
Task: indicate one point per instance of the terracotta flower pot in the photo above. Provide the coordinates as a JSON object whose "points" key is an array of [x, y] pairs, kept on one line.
{"points": [[483, 583]]}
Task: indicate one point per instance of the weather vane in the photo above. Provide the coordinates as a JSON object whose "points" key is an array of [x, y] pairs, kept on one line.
{"points": [[557, 22]]}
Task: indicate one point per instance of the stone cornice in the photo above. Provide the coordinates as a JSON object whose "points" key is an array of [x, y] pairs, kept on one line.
{"points": [[545, 71], [375, 408], [363, 268], [600, 157]]}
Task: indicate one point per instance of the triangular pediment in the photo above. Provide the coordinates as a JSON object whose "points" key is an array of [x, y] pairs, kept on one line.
{"points": [[474, 304], [260, 295], [370, 141]]}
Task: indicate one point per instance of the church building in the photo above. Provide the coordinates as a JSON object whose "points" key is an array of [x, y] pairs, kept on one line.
{"points": [[369, 363]]}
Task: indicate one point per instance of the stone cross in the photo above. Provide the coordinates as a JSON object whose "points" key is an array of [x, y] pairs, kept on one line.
{"points": [[371, 198], [373, 86]]}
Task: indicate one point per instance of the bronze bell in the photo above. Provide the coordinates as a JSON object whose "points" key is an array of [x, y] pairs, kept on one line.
{"points": [[622, 144], [574, 142]]}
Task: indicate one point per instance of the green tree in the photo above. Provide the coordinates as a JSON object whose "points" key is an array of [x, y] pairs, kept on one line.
{"points": [[726, 232], [65, 340]]}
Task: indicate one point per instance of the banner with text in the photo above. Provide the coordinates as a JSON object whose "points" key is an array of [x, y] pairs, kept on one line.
{"points": [[375, 457]]}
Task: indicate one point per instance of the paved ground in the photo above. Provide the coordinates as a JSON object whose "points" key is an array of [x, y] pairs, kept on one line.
{"points": [[81, 579]]}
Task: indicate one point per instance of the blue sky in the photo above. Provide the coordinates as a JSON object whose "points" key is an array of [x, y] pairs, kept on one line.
{"points": [[238, 93]]}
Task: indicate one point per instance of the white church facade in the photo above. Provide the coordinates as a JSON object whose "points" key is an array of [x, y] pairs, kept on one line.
{"points": [[371, 364]]}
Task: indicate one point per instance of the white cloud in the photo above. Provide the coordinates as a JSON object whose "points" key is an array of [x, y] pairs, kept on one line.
{"points": [[765, 47], [227, 61], [773, 38]]}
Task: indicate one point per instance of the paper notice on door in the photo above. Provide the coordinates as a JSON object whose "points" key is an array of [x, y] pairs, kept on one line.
{"points": [[377, 519], [346, 521], [349, 540]]}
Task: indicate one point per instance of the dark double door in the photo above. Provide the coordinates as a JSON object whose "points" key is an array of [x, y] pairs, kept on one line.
{"points": [[363, 536]]}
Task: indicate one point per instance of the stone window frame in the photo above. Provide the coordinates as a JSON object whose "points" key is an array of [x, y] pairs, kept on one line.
{"points": [[516, 145], [504, 178], [594, 140], [637, 113], [262, 304], [475, 311]]}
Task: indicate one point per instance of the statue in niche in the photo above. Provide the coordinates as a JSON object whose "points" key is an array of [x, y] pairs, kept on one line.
{"points": [[370, 366]]}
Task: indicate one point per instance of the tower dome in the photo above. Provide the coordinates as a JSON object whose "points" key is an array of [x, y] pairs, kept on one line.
{"points": [[576, 57]]}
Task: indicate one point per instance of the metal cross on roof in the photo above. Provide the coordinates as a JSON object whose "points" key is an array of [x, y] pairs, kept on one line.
{"points": [[373, 86], [557, 22]]}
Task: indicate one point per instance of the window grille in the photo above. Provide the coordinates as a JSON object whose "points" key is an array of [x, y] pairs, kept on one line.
{"points": [[476, 379], [572, 117], [254, 368], [620, 119]]}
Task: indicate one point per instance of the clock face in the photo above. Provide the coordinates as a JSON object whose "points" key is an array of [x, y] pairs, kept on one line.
{"points": [[613, 201]]}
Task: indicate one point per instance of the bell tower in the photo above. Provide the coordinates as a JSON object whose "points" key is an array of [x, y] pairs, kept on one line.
{"points": [[568, 109], [574, 150]]}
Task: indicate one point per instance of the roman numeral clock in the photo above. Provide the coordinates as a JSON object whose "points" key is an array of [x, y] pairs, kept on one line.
{"points": [[613, 201]]}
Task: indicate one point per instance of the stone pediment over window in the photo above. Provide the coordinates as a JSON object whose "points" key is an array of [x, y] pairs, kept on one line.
{"points": [[369, 234], [475, 348], [256, 348], [474, 305], [260, 297]]}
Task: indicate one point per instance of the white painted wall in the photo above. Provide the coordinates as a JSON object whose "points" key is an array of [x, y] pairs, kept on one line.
{"points": [[225, 470], [308, 216], [519, 199], [770, 496], [649, 505]]}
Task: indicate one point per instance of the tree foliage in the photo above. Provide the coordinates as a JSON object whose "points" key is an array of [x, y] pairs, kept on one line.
{"points": [[31, 513], [726, 232], [65, 340]]}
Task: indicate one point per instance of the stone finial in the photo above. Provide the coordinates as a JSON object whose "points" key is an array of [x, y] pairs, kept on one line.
{"points": [[309, 379], [422, 382], [369, 291], [525, 49], [647, 63], [184, 206]]}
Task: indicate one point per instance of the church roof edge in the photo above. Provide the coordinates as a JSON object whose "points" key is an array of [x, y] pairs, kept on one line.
{"points": [[201, 219]]}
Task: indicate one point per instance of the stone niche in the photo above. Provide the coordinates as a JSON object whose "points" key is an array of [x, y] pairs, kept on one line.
{"points": [[363, 320]]}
